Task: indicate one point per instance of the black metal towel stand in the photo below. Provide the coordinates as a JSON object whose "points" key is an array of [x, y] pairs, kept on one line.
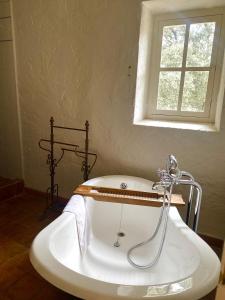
{"points": [[53, 190]]}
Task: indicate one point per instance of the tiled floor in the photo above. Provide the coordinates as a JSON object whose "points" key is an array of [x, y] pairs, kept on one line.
{"points": [[19, 223]]}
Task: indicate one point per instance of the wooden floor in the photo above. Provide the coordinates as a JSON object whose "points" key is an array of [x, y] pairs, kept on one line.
{"points": [[19, 224]]}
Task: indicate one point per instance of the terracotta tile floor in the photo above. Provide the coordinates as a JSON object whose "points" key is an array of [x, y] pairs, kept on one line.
{"points": [[19, 224]]}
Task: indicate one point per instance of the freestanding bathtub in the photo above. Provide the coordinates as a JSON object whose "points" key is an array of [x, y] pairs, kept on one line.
{"points": [[187, 269]]}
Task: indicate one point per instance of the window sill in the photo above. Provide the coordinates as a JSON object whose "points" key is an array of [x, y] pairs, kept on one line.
{"points": [[178, 125]]}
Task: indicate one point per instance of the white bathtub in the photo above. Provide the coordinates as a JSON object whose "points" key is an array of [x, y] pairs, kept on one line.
{"points": [[187, 269]]}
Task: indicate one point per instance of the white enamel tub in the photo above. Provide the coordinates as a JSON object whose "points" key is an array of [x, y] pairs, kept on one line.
{"points": [[187, 269]]}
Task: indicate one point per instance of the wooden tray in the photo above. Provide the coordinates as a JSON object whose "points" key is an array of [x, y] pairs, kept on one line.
{"points": [[126, 196]]}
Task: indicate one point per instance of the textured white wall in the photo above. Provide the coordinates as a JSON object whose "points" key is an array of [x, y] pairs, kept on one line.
{"points": [[73, 59], [10, 151]]}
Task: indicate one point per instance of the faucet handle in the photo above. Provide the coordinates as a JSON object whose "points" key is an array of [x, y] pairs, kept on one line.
{"points": [[172, 163], [163, 175]]}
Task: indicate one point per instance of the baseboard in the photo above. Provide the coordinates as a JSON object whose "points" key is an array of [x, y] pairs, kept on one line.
{"points": [[10, 188], [41, 194], [211, 240]]}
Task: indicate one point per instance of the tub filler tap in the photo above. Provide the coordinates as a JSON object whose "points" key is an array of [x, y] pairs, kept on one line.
{"points": [[173, 176], [168, 178]]}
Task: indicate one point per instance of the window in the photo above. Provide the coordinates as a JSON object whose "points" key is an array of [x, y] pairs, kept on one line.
{"points": [[184, 53], [183, 68]]}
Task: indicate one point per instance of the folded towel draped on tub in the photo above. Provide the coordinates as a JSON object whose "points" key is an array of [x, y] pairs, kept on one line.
{"points": [[77, 206]]}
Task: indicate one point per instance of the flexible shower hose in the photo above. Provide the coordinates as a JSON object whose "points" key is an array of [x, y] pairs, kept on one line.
{"points": [[165, 208]]}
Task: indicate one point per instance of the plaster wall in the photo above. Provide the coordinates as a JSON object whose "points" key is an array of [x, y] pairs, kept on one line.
{"points": [[10, 148], [73, 59]]}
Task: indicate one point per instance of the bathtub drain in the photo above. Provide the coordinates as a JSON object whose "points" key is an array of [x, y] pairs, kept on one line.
{"points": [[119, 234], [116, 244]]}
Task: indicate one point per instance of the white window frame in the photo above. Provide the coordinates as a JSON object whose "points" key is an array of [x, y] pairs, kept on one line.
{"points": [[144, 85], [188, 18]]}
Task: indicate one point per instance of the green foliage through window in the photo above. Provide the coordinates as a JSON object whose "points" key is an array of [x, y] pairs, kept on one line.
{"points": [[185, 47]]}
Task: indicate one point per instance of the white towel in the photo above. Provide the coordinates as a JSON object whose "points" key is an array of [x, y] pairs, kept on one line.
{"points": [[77, 206]]}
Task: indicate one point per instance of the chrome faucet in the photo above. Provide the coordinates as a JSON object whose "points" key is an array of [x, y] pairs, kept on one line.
{"points": [[173, 176], [168, 178]]}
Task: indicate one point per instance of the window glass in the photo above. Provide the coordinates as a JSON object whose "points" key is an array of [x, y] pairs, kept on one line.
{"points": [[172, 46], [200, 44], [168, 90], [195, 90]]}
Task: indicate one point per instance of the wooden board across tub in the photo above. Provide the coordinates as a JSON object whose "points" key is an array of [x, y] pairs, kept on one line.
{"points": [[126, 196]]}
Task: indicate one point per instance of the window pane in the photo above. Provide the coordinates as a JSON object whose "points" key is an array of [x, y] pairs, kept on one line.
{"points": [[172, 46], [195, 90], [200, 44], [168, 91]]}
